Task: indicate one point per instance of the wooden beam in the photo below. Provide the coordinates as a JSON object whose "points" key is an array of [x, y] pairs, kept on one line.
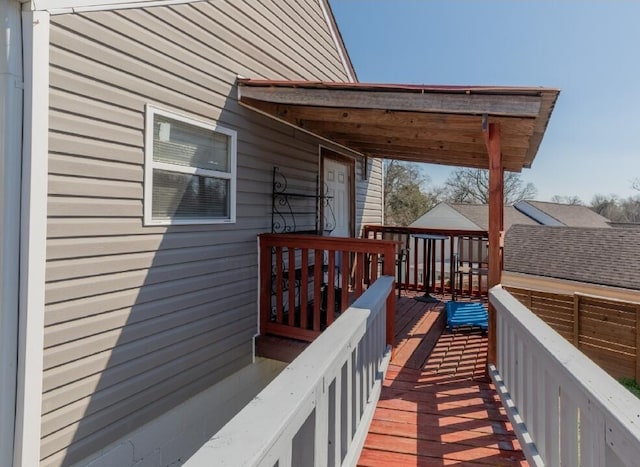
{"points": [[496, 222], [438, 102], [457, 158], [410, 133], [386, 140], [308, 115]]}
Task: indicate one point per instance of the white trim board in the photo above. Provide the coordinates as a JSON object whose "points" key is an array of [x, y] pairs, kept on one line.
{"points": [[337, 39], [33, 228], [58, 7]]}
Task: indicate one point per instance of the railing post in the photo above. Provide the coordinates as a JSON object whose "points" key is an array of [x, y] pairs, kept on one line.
{"points": [[576, 319], [389, 270], [265, 283], [638, 343]]}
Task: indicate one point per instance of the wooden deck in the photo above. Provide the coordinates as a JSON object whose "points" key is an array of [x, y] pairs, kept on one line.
{"points": [[437, 407]]}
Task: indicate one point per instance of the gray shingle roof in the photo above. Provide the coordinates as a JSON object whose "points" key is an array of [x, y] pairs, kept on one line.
{"points": [[594, 255], [479, 215], [571, 215]]}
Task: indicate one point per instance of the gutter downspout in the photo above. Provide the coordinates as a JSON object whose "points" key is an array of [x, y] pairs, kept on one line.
{"points": [[11, 96]]}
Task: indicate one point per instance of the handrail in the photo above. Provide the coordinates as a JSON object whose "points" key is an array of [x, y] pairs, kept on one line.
{"points": [[425, 230], [317, 411], [565, 409], [307, 280], [458, 274]]}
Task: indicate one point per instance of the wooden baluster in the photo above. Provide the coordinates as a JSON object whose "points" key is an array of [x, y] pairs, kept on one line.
{"points": [[470, 262], [373, 268], [344, 278], [452, 265], [415, 263], [279, 288], [360, 258], [317, 288], [432, 286], [304, 289], [425, 264], [441, 266], [291, 253], [331, 288]]}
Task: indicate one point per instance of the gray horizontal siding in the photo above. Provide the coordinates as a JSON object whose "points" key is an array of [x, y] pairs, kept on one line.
{"points": [[137, 318], [369, 197]]}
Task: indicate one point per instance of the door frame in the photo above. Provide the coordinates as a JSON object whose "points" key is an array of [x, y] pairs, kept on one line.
{"points": [[327, 153]]}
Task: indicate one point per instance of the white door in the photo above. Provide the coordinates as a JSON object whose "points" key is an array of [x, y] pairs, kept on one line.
{"points": [[337, 210]]}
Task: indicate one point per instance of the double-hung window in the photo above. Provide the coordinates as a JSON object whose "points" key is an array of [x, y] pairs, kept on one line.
{"points": [[190, 170]]}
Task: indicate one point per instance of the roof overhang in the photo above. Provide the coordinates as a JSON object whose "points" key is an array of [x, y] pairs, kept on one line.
{"points": [[435, 124]]}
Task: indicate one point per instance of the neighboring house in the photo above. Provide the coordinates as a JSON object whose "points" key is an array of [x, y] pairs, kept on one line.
{"points": [[589, 260], [558, 214], [476, 216], [144, 186], [453, 216]]}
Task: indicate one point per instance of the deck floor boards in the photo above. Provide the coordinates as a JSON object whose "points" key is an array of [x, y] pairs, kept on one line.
{"points": [[437, 407]]}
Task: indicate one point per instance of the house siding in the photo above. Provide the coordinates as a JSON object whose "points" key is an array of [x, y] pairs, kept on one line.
{"points": [[369, 197], [138, 319]]}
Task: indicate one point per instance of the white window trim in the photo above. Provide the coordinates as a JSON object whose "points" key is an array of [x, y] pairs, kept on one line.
{"points": [[150, 164]]}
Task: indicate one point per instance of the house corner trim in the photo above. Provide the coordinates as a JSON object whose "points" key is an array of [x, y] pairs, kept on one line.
{"points": [[33, 228]]}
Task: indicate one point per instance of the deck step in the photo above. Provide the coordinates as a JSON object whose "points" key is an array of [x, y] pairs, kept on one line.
{"points": [[279, 348]]}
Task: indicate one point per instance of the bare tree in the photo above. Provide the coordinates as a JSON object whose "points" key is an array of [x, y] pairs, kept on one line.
{"points": [[616, 209], [472, 186], [572, 200], [607, 206]]}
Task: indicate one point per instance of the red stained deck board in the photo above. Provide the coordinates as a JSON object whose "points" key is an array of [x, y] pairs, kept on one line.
{"points": [[375, 458], [429, 421], [437, 406], [443, 450], [447, 434]]}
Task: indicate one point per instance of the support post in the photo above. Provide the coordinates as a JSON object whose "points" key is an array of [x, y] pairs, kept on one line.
{"points": [[496, 223], [389, 270]]}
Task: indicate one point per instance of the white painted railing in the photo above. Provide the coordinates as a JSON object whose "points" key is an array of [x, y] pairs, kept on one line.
{"points": [[565, 409], [318, 410]]}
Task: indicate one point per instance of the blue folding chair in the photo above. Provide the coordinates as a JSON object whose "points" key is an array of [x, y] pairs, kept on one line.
{"points": [[467, 314]]}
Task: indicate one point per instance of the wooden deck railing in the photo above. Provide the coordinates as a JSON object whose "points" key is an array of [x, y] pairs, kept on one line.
{"points": [[306, 281], [317, 411], [462, 251], [565, 409]]}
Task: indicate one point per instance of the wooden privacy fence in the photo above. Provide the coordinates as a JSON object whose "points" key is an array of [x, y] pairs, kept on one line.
{"points": [[456, 258], [606, 330], [306, 281]]}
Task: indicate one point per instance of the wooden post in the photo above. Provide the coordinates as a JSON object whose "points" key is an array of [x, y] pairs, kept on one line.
{"points": [[496, 206], [576, 320], [638, 343], [389, 270], [265, 284]]}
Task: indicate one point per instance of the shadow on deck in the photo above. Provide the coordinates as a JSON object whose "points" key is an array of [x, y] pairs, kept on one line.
{"points": [[437, 407]]}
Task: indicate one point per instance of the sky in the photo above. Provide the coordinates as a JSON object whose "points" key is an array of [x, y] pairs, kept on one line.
{"points": [[590, 50]]}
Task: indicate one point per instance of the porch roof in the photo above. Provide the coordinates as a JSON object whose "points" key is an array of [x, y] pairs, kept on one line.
{"points": [[420, 123]]}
